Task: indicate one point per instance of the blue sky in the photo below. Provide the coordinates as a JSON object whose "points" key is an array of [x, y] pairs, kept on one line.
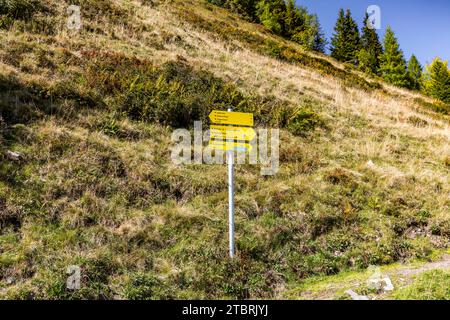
{"points": [[422, 27]]}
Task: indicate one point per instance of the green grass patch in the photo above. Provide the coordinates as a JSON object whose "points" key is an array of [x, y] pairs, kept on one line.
{"points": [[430, 285]]}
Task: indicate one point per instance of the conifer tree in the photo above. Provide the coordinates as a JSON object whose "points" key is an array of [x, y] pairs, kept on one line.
{"points": [[367, 62], [369, 58], [353, 39], [318, 37], [246, 8], [436, 80], [414, 73], [271, 13], [283, 18], [294, 20], [309, 34], [337, 41], [392, 62], [303, 28], [345, 44]]}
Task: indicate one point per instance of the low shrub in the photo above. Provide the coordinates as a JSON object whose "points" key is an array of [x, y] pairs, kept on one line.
{"points": [[416, 121], [102, 9], [23, 103], [20, 9], [303, 121], [143, 286], [176, 94], [436, 106], [23, 10]]}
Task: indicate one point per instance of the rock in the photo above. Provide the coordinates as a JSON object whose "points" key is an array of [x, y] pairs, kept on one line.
{"points": [[389, 286], [15, 156], [9, 281], [380, 282], [356, 296], [370, 164]]}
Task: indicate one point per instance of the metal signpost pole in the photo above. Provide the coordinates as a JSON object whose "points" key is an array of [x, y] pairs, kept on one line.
{"points": [[238, 131], [230, 156]]}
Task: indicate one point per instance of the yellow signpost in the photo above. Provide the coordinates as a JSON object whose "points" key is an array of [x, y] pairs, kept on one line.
{"points": [[230, 146], [232, 132], [232, 118]]}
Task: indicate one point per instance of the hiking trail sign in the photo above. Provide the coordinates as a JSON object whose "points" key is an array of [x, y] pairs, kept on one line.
{"points": [[231, 132], [229, 146], [233, 118]]}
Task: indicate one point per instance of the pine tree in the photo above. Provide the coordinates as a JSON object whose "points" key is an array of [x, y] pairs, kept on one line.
{"points": [[294, 20], [303, 28], [369, 58], [246, 8], [283, 18], [436, 80], [367, 61], [392, 62], [337, 41], [271, 13], [354, 40], [318, 37], [345, 44], [414, 73]]}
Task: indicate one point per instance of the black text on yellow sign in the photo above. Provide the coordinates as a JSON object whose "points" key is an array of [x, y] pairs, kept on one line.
{"points": [[229, 129], [232, 118], [232, 133]]}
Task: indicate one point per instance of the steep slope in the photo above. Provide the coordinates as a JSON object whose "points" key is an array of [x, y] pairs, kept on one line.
{"points": [[86, 177]]}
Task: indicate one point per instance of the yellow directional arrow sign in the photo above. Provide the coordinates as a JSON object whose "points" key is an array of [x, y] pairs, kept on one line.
{"points": [[232, 133], [227, 146], [234, 118]]}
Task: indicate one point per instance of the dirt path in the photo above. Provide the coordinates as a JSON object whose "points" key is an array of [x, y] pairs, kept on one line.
{"points": [[443, 264], [334, 287]]}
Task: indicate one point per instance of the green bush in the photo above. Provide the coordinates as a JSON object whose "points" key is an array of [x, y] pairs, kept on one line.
{"points": [[19, 9], [176, 94], [436, 106], [416, 121], [21, 103], [5, 21], [11, 10], [441, 228], [303, 121], [143, 286], [99, 9]]}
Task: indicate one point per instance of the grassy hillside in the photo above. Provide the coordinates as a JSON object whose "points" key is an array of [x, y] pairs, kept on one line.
{"points": [[86, 177]]}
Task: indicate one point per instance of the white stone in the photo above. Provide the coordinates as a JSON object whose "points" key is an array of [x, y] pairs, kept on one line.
{"points": [[356, 296]]}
